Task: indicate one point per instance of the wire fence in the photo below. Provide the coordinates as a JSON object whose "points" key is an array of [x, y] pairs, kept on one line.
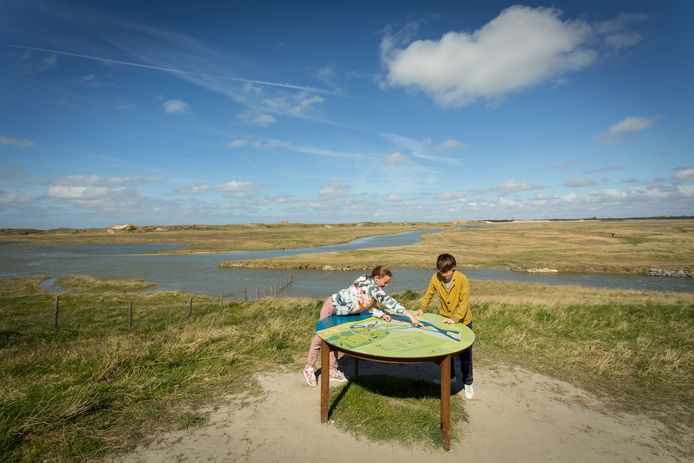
{"points": [[226, 298]]}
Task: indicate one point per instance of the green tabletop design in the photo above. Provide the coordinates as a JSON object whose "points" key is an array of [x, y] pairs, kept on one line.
{"points": [[397, 338]]}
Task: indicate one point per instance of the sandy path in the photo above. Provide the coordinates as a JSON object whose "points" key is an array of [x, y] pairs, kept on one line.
{"points": [[516, 416]]}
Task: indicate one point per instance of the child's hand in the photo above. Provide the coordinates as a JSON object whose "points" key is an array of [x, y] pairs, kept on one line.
{"points": [[386, 318], [418, 312], [447, 320], [414, 321]]}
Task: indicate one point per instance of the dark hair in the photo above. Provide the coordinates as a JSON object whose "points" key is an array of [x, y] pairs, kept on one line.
{"points": [[381, 271], [445, 262]]}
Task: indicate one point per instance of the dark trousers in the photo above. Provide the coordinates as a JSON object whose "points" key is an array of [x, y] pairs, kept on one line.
{"points": [[465, 363]]}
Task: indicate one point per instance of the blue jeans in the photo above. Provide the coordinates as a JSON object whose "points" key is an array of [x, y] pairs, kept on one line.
{"points": [[466, 363]]}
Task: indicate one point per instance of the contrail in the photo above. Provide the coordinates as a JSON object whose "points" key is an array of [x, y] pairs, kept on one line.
{"points": [[171, 70]]}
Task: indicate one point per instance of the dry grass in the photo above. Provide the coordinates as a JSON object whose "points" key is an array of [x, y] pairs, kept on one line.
{"points": [[576, 246], [217, 238], [94, 386]]}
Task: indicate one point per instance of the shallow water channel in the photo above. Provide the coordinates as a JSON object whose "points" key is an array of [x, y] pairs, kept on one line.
{"points": [[199, 272]]}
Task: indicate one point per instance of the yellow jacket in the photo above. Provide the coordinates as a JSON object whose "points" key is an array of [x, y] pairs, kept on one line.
{"points": [[455, 304]]}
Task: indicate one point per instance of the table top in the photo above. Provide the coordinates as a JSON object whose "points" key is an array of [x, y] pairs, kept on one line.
{"points": [[397, 339]]}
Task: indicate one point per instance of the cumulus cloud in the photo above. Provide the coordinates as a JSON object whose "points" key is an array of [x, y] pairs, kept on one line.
{"points": [[521, 47], [334, 190], [14, 141], [194, 189], [82, 189], [514, 186], [235, 186], [629, 124], [683, 173], [395, 157], [83, 193], [579, 182], [175, 106]]}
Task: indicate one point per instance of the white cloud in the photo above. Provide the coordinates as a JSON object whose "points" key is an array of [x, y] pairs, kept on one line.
{"points": [[514, 186], [395, 157], [235, 186], [298, 104], [334, 190], [684, 173], [686, 190], [14, 141], [452, 144], [175, 106], [238, 143], [256, 118], [194, 189], [579, 182], [616, 33], [629, 124], [84, 193], [95, 180], [521, 47]]}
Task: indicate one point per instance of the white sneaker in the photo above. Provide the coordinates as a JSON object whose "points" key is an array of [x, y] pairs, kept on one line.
{"points": [[338, 376], [469, 393], [310, 376]]}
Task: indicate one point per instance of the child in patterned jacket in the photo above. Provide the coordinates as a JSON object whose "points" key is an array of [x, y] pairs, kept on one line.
{"points": [[361, 295]]}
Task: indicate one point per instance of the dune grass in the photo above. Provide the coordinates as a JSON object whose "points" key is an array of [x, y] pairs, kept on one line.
{"points": [[93, 386]]}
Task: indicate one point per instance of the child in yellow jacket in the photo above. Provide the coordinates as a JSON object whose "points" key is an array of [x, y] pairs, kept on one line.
{"points": [[453, 290]]}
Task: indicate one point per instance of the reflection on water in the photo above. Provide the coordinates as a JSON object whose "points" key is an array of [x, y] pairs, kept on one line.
{"points": [[199, 273]]}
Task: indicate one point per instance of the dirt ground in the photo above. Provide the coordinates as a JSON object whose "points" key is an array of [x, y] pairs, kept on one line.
{"points": [[515, 416]]}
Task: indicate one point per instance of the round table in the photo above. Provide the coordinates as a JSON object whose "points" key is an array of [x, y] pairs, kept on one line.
{"points": [[365, 337]]}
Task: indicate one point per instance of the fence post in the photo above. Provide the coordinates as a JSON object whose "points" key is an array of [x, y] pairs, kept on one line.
{"points": [[190, 305], [130, 315], [221, 298], [257, 293], [55, 312], [245, 294]]}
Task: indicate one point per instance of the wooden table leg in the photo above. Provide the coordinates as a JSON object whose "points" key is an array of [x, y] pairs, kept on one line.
{"points": [[446, 401], [324, 381]]}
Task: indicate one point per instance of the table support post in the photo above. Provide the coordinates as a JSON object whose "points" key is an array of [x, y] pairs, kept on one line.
{"points": [[324, 381], [446, 401]]}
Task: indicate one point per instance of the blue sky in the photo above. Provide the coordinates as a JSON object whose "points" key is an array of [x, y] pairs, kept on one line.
{"points": [[187, 112]]}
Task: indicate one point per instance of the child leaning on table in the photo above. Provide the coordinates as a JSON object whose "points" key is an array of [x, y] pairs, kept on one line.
{"points": [[364, 292], [453, 290]]}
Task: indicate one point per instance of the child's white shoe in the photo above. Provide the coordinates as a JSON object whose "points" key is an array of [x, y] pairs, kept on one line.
{"points": [[338, 376], [469, 393], [310, 376]]}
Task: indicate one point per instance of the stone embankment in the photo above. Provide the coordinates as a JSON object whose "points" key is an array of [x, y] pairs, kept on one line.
{"points": [[659, 272]]}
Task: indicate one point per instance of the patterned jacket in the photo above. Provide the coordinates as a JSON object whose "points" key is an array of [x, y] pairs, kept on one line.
{"points": [[361, 295]]}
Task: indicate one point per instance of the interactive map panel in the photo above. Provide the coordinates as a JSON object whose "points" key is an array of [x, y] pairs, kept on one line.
{"points": [[365, 334]]}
